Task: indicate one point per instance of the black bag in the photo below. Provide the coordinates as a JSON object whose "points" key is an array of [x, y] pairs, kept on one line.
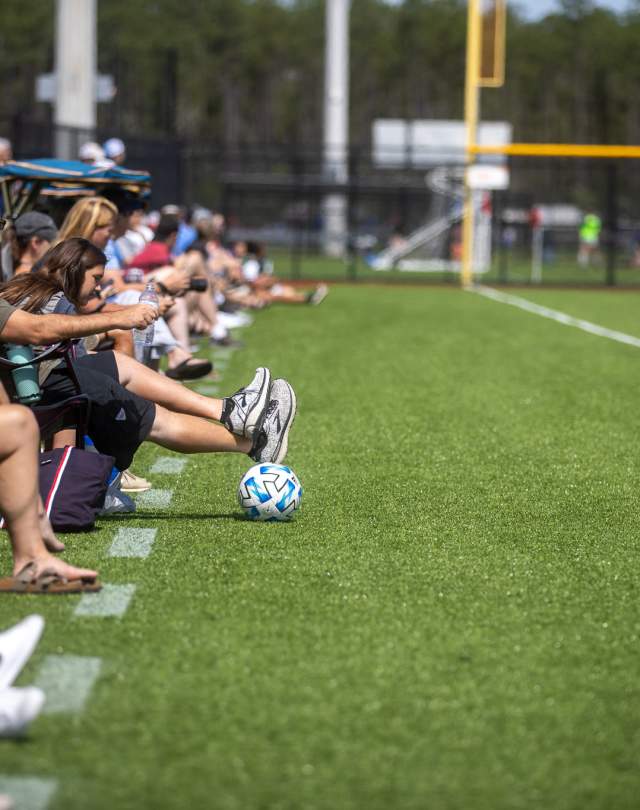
{"points": [[73, 485]]}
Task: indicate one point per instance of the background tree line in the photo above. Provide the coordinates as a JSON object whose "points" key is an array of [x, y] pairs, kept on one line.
{"points": [[251, 71]]}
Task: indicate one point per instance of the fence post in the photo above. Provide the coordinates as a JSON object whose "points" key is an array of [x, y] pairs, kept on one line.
{"points": [[612, 222], [352, 199]]}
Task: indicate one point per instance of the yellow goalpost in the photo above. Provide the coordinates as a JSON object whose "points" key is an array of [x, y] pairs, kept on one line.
{"points": [[485, 67]]}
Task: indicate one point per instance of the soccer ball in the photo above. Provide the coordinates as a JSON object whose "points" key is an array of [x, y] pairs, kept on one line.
{"points": [[269, 492]]}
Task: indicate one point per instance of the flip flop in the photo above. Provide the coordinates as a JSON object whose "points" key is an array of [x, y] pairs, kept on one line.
{"points": [[46, 582], [191, 369]]}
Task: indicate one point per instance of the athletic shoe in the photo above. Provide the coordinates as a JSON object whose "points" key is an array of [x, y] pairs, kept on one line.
{"points": [[226, 342], [243, 412], [318, 295], [130, 482], [116, 502], [234, 320], [271, 440], [6, 803], [18, 708], [16, 645]]}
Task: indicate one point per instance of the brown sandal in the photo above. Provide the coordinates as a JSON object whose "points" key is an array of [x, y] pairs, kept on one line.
{"points": [[46, 582]]}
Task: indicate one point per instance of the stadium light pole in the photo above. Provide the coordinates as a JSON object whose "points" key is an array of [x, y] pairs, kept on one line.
{"points": [[471, 114], [75, 70], [336, 124]]}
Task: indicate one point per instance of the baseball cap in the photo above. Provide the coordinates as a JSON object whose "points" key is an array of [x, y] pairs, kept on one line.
{"points": [[36, 224], [91, 151], [114, 147]]}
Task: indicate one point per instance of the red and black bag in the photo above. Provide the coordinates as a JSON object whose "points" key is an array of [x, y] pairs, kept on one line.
{"points": [[73, 484]]}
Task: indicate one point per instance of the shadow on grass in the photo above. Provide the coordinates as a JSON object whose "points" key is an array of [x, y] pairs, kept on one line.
{"points": [[142, 515]]}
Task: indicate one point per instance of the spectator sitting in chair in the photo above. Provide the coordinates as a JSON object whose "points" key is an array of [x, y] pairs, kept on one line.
{"points": [[30, 532], [98, 219], [33, 235], [255, 420]]}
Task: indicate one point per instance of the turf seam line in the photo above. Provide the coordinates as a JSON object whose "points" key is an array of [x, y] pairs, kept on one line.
{"points": [[28, 792], [155, 498], [133, 543], [167, 465], [555, 315], [67, 681], [112, 600]]}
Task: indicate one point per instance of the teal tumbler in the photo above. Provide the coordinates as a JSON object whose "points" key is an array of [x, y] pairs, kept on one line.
{"points": [[25, 378]]}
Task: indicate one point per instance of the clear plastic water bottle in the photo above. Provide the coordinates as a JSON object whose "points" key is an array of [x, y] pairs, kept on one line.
{"points": [[143, 338]]}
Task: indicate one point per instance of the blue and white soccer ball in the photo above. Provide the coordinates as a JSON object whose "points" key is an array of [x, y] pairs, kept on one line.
{"points": [[269, 492]]}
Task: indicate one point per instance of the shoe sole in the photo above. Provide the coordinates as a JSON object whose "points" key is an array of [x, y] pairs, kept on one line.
{"points": [[260, 407], [283, 447]]}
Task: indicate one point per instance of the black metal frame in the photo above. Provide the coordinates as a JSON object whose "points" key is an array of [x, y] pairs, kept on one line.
{"points": [[52, 418]]}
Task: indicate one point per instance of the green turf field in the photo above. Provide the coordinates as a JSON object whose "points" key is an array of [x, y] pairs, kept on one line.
{"points": [[452, 622]]}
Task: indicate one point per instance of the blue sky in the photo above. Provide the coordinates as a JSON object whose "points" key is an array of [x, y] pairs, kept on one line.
{"points": [[538, 8]]}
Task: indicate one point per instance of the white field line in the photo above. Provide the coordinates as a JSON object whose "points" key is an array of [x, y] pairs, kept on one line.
{"points": [[28, 792], [168, 465], [112, 600], [555, 315], [133, 543], [67, 681], [155, 498]]}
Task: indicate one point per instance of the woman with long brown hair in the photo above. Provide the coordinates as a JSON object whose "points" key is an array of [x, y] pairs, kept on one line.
{"points": [[131, 403]]}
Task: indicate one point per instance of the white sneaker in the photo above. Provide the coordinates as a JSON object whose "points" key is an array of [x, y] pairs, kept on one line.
{"points": [[271, 440], [18, 708], [16, 646], [6, 803], [243, 412]]}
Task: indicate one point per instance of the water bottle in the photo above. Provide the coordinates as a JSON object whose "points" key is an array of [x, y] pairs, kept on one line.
{"points": [[143, 338], [25, 378]]}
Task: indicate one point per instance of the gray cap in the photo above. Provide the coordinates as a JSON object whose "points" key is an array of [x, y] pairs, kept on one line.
{"points": [[36, 224]]}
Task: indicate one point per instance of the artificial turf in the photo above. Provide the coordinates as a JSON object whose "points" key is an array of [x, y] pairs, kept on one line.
{"points": [[452, 620]]}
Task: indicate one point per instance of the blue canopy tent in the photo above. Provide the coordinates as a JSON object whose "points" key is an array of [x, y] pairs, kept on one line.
{"points": [[22, 181]]}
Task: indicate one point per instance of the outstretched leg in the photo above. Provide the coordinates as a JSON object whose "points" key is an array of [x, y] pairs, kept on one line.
{"points": [[19, 498]]}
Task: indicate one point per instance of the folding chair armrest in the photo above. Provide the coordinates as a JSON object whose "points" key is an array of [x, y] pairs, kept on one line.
{"points": [[58, 349]]}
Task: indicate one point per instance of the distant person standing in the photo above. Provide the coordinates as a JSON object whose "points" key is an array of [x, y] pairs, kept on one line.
{"points": [[589, 238], [6, 150]]}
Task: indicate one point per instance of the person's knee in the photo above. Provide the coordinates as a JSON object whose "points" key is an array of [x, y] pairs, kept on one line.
{"points": [[18, 424]]}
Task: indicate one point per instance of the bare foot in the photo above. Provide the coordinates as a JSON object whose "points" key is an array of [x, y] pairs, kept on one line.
{"points": [[54, 565], [48, 535]]}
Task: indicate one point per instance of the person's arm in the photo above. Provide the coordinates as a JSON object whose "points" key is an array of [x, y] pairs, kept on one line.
{"points": [[40, 330]]}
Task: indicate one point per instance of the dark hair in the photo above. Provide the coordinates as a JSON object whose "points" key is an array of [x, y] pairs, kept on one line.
{"points": [[61, 269], [167, 226]]}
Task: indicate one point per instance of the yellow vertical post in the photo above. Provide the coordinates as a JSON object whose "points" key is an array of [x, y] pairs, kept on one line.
{"points": [[471, 113]]}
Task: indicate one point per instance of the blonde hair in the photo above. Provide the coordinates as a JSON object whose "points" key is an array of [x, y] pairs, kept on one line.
{"points": [[83, 217]]}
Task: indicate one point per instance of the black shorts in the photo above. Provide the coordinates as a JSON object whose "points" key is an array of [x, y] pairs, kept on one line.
{"points": [[119, 420]]}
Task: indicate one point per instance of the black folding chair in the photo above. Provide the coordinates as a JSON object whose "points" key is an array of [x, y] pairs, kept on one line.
{"points": [[70, 412]]}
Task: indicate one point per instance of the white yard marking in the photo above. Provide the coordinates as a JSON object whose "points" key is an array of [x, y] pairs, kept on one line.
{"points": [[112, 600], [155, 498], [133, 543], [555, 315], [28, 792], [208, 390], [169, 465], [67, 681]]}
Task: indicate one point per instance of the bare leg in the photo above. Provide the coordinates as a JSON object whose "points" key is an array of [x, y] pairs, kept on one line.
{"points": [[19, 498], [190, 434], [165, 392], [178, 321]]}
